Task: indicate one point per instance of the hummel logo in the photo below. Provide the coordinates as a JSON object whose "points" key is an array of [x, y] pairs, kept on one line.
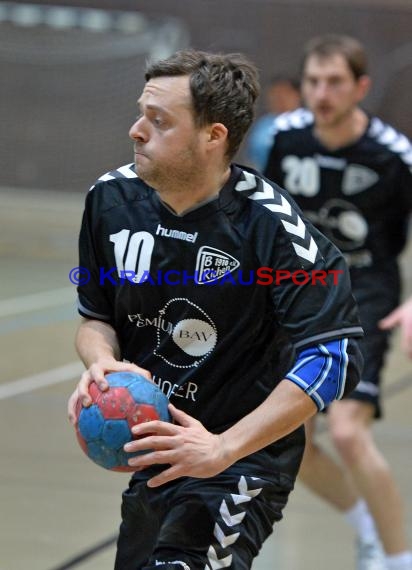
{"points": [[176, 234], [212, 264]]}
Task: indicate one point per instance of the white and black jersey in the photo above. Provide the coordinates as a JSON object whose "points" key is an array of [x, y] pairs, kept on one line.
{"points": [[359, 196], [200, 299]]}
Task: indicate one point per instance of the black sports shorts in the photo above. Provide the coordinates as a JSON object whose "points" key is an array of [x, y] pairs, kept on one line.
{"points": [[377, 292], [200, 524]]}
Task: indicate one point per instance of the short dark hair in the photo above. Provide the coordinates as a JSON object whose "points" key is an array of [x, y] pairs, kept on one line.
{"points": [[224, 89], [331, 44]]}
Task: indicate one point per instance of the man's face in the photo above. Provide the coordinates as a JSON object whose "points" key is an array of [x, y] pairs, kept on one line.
{"points": [[167, 144], [330, 90], [282, 97]]}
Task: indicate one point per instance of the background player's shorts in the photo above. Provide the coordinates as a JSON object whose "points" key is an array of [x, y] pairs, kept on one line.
{"points": [[377, 294], [197, 524]]}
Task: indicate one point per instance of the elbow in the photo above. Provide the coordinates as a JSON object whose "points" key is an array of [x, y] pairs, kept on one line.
{"points": [[355, 367], [329, 371]]}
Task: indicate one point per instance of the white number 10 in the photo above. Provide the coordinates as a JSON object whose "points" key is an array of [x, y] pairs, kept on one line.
{"points": [[139, 253]]}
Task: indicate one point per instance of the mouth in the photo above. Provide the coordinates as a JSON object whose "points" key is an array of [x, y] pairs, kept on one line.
{"points": [[323, 109], [139, 154]]}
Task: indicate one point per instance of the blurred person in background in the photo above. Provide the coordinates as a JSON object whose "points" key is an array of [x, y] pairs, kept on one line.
{"points": [[281, 95], [351, 175]]}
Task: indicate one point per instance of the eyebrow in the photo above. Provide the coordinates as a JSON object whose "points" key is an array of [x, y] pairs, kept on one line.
{"points": [[313, 74], [152, 107]]}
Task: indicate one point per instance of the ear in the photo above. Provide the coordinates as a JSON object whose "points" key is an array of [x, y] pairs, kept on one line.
{"points": [[364, 84], [216, 135]]}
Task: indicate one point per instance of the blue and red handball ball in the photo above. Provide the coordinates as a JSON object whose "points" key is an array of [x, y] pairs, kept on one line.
{"points": [[103, 428]]}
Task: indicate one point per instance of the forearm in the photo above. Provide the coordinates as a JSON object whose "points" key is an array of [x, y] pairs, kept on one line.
{"points": [[95, 341], [98, 347], [192, 451], [284, 410]]}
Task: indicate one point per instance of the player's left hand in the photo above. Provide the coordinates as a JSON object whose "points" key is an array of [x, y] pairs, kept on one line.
{"points": [[402, 316], [187, 446]]}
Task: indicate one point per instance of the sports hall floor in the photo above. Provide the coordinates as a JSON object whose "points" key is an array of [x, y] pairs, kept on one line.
{"points": [[57, 509]]}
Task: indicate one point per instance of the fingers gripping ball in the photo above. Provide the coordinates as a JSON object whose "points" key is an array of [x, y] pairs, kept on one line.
{"points": [[103, 428]]}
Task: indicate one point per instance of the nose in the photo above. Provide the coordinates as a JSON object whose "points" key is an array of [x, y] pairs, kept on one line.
{"points": [[322, 89], [137, 131]]}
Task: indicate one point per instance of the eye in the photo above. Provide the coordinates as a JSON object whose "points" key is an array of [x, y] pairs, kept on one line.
{"points": [[311, 81], [335, 81]]}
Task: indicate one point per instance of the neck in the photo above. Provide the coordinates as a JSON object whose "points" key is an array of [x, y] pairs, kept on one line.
{"points": [[348, 130], [189, 194]]}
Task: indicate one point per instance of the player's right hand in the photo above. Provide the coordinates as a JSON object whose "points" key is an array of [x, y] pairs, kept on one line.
{"points": [[96, 373]]}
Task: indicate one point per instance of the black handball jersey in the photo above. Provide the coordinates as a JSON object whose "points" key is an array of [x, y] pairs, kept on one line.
{"points": [[209, 301], [359, 196]]}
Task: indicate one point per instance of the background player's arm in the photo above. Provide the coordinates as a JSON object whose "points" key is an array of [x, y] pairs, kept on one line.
{"points": [[98, 347], [401, 316]]}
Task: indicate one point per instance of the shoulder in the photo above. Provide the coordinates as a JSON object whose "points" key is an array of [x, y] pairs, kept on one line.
{"points": [[126, 171], [265, 197], [293, 120], [116, 187], [391, 140], [275, 210], [260, 190], [292, 127]]}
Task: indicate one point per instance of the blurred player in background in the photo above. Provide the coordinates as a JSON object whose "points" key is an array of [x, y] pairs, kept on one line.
{"points": [[281, 95], [215, 481], [351, 175]]}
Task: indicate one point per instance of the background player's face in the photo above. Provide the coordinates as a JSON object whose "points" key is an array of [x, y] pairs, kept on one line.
{"points": [[330, 90], [282, 97], [167, 144]]}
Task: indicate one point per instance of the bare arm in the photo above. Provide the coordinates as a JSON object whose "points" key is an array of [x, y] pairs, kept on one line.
{"points": [[193, 451], [284, 410], [98, 347], [96, 340], [402, 317]]}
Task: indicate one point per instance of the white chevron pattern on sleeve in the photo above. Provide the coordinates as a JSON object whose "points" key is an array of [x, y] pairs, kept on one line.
{"points": [[125, 171], [260, 191], [297, 119], [225, 540], [297, 229], [248, 182], [308, 253], [392, 139], [283, 208]]}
